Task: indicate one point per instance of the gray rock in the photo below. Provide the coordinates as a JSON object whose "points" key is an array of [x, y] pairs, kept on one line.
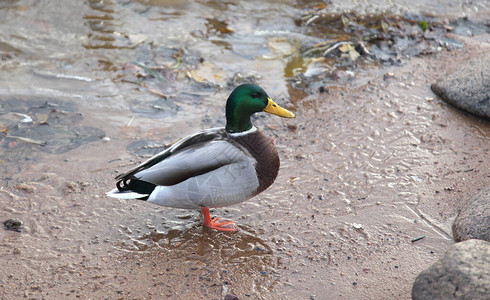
{"points": [[473, 221], [463, 273], [468, 88]]}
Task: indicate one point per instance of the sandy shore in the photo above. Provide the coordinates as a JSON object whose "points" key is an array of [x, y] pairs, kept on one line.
{"points": [[366, 169]]}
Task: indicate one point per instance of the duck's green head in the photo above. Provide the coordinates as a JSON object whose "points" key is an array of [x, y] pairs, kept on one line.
{"points": [[244, 101]]}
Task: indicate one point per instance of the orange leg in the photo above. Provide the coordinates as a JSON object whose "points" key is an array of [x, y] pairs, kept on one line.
{"points": [[213, 222]]}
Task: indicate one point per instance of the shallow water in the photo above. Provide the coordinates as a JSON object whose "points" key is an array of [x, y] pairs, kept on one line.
{"points": [[88, 89]]}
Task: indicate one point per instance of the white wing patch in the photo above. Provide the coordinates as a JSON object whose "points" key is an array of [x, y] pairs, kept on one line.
{"points": [[115, 193]]}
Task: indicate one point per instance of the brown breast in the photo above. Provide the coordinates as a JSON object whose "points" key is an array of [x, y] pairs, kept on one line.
{"points": [[264, 152]]}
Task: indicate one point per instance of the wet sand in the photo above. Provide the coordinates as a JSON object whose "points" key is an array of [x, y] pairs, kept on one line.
{"points": [[373, 169], [366, 168]]}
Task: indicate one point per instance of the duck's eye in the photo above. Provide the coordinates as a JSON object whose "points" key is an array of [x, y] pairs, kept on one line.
{"points": [[255, 95]]}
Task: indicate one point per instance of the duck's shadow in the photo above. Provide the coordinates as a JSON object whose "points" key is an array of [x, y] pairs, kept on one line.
{"points": [[189, 255], [182, 236]]}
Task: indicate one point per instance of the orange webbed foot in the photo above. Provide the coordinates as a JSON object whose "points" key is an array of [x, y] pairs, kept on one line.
{"points": [[214, 224]]}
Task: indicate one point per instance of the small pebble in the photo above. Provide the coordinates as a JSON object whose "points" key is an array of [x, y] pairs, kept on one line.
{"points": [[25, 187], [292, 128], [13, 224]]}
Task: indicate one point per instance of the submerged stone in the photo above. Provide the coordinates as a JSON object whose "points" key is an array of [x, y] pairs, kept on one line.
{"points": [[145, 148], [53, 127]]}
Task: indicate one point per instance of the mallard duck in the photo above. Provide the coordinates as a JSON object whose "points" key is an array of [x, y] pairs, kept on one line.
{"points": [[213, 168]]}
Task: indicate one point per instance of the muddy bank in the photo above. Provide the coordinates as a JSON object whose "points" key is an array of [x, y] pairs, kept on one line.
{"points": [[374, 167], [384, 200], [340, 218]]}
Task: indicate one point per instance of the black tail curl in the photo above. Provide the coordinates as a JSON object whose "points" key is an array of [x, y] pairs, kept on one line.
{"points": [[124, 186], [136, 185]]}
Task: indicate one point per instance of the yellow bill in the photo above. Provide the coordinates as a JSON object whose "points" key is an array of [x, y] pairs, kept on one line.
{"points": [[275, 109]]}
